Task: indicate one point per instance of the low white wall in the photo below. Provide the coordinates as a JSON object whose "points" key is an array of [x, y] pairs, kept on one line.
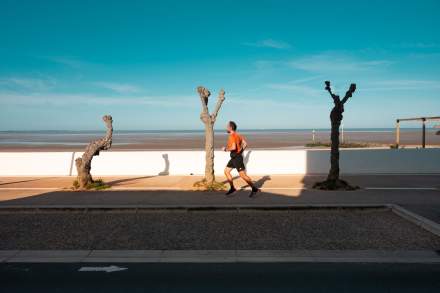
{"points": [[193, 162], [375, 161], [360, 161], [38, 163]]}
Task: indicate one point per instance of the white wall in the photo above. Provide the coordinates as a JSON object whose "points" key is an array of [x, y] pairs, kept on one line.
{"points": [[360, 161], [374, 161], [38, 163]]}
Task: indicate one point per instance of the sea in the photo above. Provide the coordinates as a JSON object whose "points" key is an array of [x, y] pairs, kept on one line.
{"points": [[126, 137]]}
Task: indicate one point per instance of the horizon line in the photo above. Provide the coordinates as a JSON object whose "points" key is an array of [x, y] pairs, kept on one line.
{"points": [[202, 130]]}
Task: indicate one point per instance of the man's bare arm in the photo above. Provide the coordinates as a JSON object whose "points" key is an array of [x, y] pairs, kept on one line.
{"points": [[244, 144]]}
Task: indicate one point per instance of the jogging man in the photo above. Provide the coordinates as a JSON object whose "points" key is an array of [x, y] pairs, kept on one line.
{"points": [[236, 145]]}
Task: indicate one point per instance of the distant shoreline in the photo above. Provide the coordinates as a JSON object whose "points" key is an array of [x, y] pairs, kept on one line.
{"points": [[194, 140], [156, 131]]}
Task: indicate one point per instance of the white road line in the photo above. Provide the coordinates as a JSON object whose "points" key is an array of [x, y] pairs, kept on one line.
{"points": [[282, 188], [401, 188], [30, 188], [159, 188], [148, 188], [189, 189], [271, 188]]}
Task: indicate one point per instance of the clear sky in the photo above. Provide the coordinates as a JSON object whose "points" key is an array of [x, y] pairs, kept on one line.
{"points": [[63, 64]]}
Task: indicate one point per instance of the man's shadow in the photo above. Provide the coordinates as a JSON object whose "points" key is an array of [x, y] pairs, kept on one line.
{"points": [[246, 158], [260, 182], [166, 171]]}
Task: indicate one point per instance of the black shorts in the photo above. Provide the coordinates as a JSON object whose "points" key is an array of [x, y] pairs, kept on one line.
{"points": [[236, 162]]}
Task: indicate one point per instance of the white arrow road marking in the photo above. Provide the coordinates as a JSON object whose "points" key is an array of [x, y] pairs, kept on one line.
{"points": [[109, 269]]}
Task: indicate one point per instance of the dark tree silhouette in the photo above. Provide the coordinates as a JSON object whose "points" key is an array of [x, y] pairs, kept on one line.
{"points": [[84, 164], [333, 181]]}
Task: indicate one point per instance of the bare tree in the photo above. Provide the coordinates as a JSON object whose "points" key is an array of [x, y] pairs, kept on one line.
{"points": [[209, 121], [84, 164], [333, 181]]}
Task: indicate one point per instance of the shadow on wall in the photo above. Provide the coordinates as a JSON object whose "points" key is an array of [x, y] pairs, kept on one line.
{"points": [[246, 158], [21, 181], [166, 171]]}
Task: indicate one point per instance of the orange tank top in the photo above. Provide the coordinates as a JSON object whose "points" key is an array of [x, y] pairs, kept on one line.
{"points": [[237, 139]]}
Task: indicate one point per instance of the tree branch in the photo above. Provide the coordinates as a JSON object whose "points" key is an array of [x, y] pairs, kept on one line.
{"points": [[349, 93], [220, 99], [328, 88], [204, 95]]}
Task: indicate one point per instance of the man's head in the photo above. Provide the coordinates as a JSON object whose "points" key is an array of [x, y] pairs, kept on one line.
{"points": [[231, 126]]}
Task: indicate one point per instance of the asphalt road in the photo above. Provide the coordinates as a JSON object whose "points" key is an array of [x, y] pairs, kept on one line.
{"points": [[253, 277]]}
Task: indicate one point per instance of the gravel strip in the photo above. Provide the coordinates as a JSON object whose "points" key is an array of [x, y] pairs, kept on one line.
{"points": [[197, 230]]}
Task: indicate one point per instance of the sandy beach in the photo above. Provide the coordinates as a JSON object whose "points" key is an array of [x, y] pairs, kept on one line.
{"points": [[192, 140]]}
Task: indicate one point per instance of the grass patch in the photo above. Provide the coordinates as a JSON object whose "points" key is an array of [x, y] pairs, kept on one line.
{"points": [[341, 145], [75, 184], [204, 186], [98, 184]]}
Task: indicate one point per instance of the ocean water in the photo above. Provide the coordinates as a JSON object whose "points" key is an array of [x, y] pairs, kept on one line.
{"points": [[127, 137]]}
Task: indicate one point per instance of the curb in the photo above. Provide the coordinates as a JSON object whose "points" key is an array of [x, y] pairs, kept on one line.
{"points": [[416, 219], [218, 256], [188, 208]]}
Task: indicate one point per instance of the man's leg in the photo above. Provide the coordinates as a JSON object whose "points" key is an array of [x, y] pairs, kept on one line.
{"points": [[248, 180], [230, 181]]}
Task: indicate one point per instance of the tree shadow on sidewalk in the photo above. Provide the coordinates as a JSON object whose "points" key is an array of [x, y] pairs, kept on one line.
{"points": [[22, 181], [119, 181]]}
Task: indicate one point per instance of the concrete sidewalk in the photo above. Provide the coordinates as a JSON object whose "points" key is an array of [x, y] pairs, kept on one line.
{"points": [[418, 193], [186, 182]]}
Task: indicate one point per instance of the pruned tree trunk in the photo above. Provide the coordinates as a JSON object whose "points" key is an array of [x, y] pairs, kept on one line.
{"points": [[333, 181], [84, 164], [209, 153], [209, 121], [334, 152]]}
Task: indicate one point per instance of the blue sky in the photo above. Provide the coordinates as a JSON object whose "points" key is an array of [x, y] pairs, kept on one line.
{"points": [[63, 64]]}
